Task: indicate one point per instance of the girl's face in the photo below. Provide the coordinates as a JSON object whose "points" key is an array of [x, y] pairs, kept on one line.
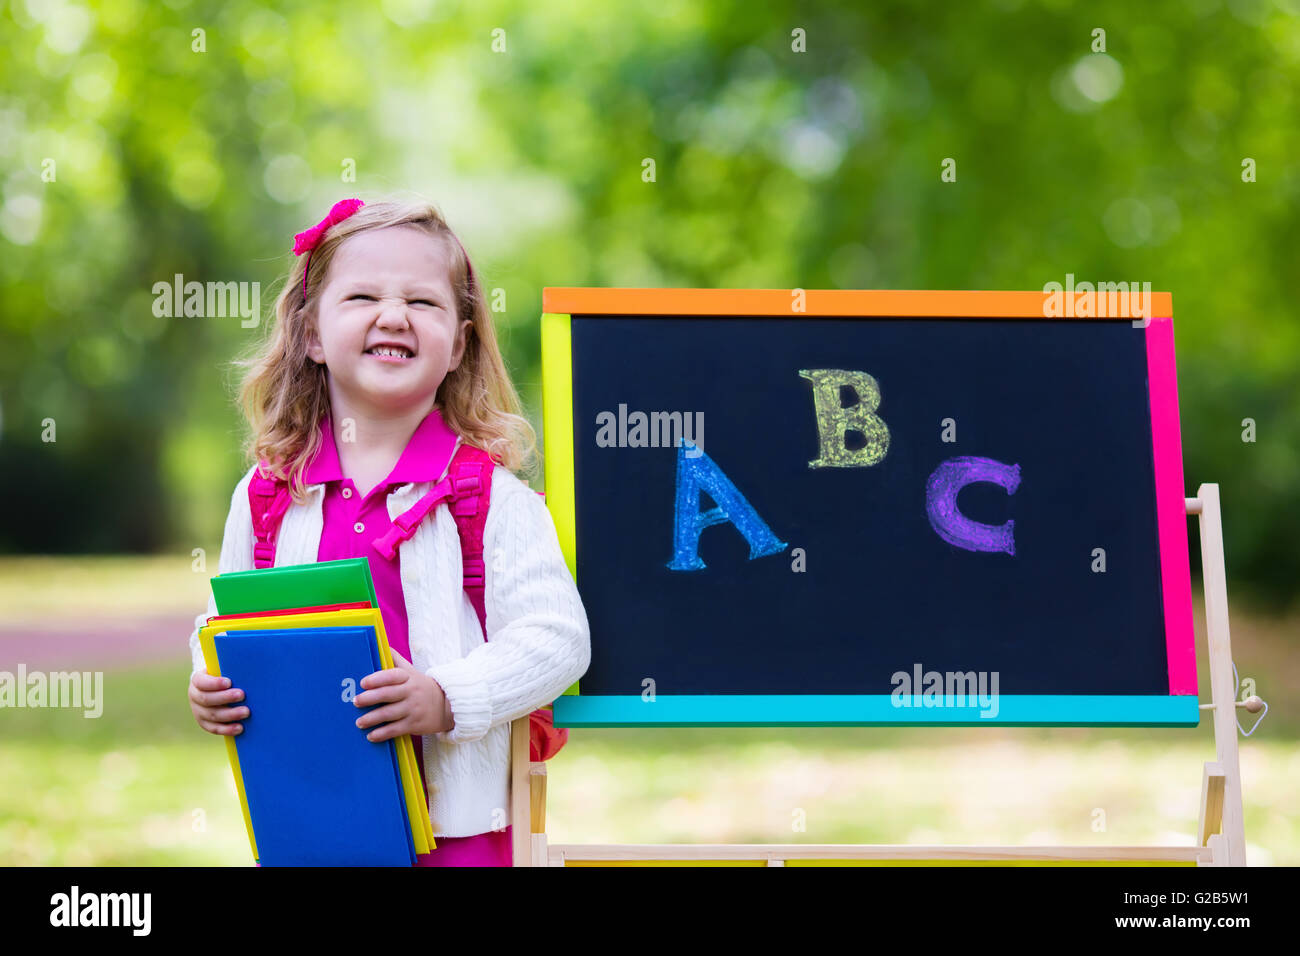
{"points": [[386, 321]]}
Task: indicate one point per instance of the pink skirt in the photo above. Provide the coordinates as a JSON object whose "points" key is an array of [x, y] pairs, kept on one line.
{"points": [[483, 849]]}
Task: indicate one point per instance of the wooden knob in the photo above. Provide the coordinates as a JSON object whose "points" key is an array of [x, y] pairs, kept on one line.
{"points": [[1253, 704]]}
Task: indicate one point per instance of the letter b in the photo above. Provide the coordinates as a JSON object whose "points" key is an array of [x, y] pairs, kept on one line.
{"points": [[834, 421]]}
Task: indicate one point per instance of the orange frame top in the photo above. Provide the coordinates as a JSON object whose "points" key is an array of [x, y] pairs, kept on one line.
{"points": [[817, 302]]}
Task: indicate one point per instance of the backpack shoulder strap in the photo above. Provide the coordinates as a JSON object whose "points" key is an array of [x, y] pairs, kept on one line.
{"points": [[467, 489], [471, 478], [268, 500]]}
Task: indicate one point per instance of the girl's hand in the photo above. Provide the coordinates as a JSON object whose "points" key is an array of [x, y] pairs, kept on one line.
{"points": [[209, 697], [414, 703]]}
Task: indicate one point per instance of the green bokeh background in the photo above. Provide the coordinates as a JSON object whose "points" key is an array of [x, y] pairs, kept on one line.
{"points": [[773, 169], [144, 140]]}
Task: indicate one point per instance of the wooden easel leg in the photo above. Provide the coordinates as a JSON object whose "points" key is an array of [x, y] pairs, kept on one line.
{"points": [[1223, 688], [520, 835], [1218, 850], [1212, 787], [537, 802]]}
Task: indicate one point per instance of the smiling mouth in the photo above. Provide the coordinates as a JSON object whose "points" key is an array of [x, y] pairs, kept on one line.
{"points": [[390, 352]]}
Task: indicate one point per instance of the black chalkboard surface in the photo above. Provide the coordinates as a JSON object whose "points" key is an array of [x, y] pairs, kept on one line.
{"points": [[1041, 584]]}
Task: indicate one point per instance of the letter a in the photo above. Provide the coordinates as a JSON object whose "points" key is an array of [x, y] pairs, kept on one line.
{"points": [[699, 473]]}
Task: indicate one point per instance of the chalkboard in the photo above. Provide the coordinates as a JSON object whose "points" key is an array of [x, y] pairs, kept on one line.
{"points": [[951, 518]]}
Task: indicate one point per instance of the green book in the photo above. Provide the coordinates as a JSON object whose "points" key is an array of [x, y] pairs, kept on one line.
{"points": [[297, 585]]}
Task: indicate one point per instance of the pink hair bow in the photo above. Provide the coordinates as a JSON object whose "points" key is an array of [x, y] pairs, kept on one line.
{"points": [[307, 241]]}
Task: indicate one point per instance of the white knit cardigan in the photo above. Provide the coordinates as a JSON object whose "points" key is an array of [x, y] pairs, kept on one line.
{"points": [[540, 643]]}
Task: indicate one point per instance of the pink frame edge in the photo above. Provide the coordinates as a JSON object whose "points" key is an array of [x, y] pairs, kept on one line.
{"points": [[1171, 506]]}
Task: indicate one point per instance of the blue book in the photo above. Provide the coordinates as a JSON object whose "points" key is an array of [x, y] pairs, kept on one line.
{"points": [[319, 793]]}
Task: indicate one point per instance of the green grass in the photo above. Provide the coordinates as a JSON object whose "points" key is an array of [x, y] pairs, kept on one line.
{"points": [[142, 785], [957, 787], [41, 588]]}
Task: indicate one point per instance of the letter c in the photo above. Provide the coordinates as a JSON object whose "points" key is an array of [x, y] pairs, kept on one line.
{"points": [[941, 503]]}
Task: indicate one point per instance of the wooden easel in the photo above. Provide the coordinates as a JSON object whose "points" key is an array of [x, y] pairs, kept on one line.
{"points": [[1221, 837]]}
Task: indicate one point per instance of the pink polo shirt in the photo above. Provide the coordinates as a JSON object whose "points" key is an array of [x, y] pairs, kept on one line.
{"points": [[352, 524]]}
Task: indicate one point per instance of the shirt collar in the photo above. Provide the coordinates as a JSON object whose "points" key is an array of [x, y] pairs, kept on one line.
{"points": [[424, 459]]}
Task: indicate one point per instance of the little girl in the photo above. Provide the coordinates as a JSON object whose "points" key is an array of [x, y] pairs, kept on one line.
{"points": [[382, 362]]}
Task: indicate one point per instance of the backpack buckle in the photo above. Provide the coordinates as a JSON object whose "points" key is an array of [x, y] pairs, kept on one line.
{"points": [[474, 572], [265, 487], [407, 521], [467, 484]]}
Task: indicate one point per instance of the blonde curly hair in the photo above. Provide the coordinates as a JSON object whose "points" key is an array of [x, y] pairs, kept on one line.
{"points": [[284, 394]]}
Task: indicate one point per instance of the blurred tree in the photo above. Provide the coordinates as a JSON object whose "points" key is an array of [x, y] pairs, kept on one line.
{"points": [[790, 148]]}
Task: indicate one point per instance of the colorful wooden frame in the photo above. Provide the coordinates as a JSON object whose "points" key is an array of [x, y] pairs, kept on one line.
{"points": [[1178, 709]]}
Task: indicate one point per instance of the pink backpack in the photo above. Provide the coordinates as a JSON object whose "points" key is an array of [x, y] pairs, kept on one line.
{"points": [[467, 489]]}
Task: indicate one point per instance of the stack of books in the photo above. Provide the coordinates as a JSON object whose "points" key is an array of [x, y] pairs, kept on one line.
{"points": [[314, 791]]}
